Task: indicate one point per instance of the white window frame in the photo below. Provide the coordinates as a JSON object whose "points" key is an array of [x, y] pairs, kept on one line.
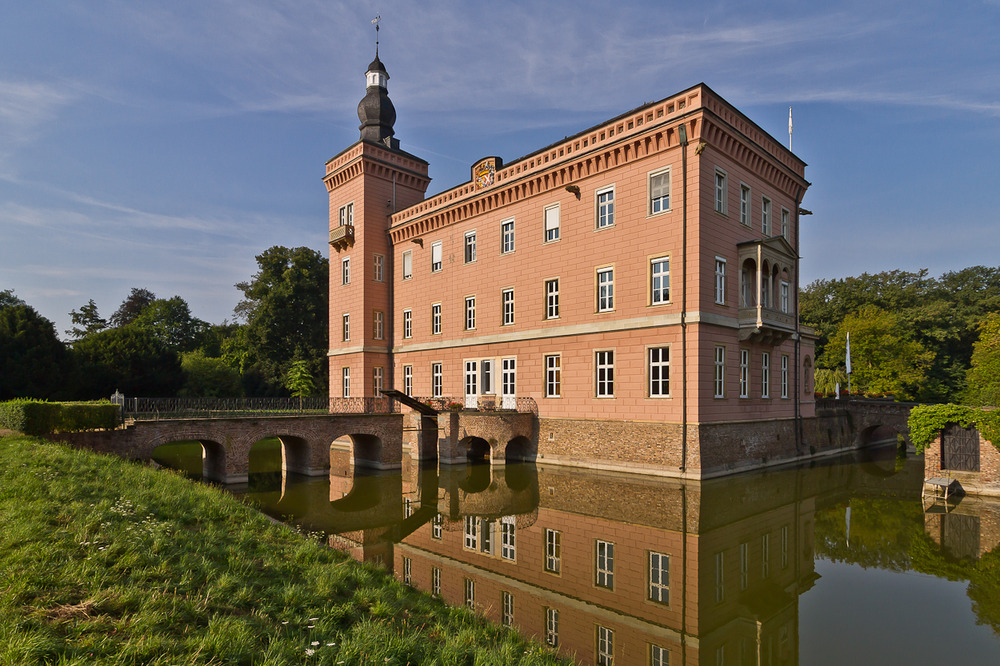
{"points": [[658, 655], [744, 373], [345, 270], [659, 280], [765, 374], [470, 540], [378, 267], [436, 581], [378, 325], [604, 373], [659, 578], [786, 218], [470, 246], [765, 216], [658, 371], [407, 323], [604, 199], [721, 187], [345, 322], [605, 278], [470, 313], [407, 263], [436, 319], [407, 570], [552, 627], [553, 375], [408, 379], [470, 593], [378, 377], [345, 381], [507, 608], [720, 372], [551, 224], [487, 383], [658, 201], [437, 257], [347, 215], [508, 539], [605, 646], [552, 298], [437, 380], [745, 204], [437, 525], [604, 564], [720, 280], [507, 301], [784, 296], [553, 551], [507, 236], [784, 376]]}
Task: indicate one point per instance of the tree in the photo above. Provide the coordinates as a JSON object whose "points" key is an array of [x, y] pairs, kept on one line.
{"points": [[8, 299], [885, 358], [299, 381], [130, 359], [285, 308], [207, 377], [33, 361], [86, 321], [984, 376], [170, 322], [133, 305]]}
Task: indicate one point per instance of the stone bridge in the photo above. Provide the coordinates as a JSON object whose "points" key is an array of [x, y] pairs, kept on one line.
{"points": [[869, 421]]}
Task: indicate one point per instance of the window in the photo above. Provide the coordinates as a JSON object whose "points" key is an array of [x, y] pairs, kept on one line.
{"points": [[470, 246], [407, 323], [487, 543], [508, 538], [605, 289], [553, 550], [345, 270], [784, 546], [471, 533], [552, 299], [407, 570], [378, 325], [377, 375], [470, 313], [508, 382], [720, 576], [659, 273], [436, 319], [785, 218], [720, 280], [658, 656], [407, 265], [605, 208], [659, 192], [508, 307], [605, 646], [720, 372], [745, 204], [744, 373], [346, 326], [605, 364], [720, 191], [659, 372], [408, 379], [345, 375], [552, 223], [507, 604], [486, 378], [436, 380], [744, 565], [765, 375], [436, 526], [659, 577], [784, 297], [436, 257], [471, 383], [507, 236], [347, 214], [470, 593], [378, 267], [553, 376], [784, 375], [765, 555], [604, 564], [435, 581], [765, 216], [552, 627]]}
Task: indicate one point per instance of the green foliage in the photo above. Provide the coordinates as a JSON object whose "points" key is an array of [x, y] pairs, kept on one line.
{"points": [[129, 359], [132, 307], [86, 321], [884, 357], [37, 417], [927, 421], [170, 322], [299, 381], [286, 311], [100, 415], [206, 377], [33, 361], [9, 300], [983, 386], [826, 380]]}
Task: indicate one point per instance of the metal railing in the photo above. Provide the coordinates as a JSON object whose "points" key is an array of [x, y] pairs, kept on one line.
{"points": [[483, 403], [149, 409]]}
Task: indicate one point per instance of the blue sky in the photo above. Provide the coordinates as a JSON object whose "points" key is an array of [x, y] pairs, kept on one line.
{"points": [[164, 144]]}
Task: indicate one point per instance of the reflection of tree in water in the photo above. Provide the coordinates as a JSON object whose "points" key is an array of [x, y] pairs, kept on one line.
{"points": [[882, 533], [984, 590]]}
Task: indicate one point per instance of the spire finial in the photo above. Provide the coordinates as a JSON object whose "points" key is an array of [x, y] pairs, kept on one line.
{"points": [[375, 22]]}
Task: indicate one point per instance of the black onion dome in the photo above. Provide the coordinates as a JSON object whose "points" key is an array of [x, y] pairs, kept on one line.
{"points": [[375, 111]]}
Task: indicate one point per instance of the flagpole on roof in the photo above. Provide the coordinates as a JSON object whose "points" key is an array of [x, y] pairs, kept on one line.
{"points": [[848, 363], [789, 128]]}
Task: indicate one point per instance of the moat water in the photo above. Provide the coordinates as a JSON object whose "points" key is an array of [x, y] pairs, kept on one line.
{"points": [[838, 562]]}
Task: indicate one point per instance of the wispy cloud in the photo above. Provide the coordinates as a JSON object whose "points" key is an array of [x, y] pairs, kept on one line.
{"points": [[24, 106]]}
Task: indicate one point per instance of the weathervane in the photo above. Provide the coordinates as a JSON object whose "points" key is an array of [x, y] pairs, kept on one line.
{"points": [[375, 22]]}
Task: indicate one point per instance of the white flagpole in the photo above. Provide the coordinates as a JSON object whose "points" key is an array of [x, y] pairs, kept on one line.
{"points": [[848, 362], [789, 128]]}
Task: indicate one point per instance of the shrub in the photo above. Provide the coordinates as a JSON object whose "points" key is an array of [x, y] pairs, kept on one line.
{"points": [[37, 417]]}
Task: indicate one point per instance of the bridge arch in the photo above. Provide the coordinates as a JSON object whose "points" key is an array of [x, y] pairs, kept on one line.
{"points": [[476, 448], [520, 449]]}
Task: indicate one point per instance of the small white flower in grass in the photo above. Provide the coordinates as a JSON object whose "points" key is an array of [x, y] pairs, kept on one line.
{"points": [[285, 622], [313, 619], [314, 643], [330, 644], [310, 652]]}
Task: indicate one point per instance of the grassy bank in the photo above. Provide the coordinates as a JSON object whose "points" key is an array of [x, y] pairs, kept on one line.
{"points": [[103, 561]]}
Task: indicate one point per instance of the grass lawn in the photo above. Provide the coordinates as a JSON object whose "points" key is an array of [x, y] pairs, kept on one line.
{"points": [[108, 562]]}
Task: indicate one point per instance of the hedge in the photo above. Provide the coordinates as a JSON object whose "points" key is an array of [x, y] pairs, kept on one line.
{"points": [[927, 421], [36, 417]]}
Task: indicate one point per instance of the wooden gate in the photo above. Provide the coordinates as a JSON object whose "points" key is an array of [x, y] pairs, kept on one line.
{"points": [[960, 448]]}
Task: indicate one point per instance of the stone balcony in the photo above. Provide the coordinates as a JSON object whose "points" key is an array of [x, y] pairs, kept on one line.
{"points": [[764, 325], [342, 237]]}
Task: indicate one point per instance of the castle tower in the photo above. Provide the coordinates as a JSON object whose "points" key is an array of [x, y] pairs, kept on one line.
{"points": [[367, 183]]}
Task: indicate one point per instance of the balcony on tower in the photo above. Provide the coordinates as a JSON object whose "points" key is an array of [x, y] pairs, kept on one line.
{"points": [[342, 237], [767, 302]]}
